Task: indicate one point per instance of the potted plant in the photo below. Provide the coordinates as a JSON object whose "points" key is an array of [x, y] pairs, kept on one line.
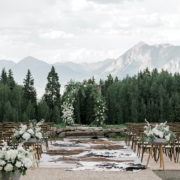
{"points": [[13, 163], [160, 134], [28, 134]]}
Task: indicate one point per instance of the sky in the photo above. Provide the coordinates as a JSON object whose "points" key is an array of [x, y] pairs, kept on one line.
{"points": [[84, 30]]}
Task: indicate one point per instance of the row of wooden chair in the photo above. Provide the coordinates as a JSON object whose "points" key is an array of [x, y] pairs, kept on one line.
{"points": [[6, 134], [136, 131]]}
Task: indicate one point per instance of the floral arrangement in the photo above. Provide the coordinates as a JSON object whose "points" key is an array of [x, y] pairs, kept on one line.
{"points": [[12, 160], [24, 133], [68, 113], [159, 131], [99, 110], [99, 103]]}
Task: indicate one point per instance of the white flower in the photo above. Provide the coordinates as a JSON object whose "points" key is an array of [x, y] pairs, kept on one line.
{"points": [[0, 168], [26, 136], [21, 132], [167, 137], [20, 149], [161, 134], [16, 133], [27, 162], [8, 167], [24, 127], [39, 135], [38, 129], [30, 131], [18, 164], [166, 128], [85, 86], [2, 163]]}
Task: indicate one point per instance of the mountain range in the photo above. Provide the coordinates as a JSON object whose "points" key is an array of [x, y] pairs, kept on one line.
{"points": [[139, 57]]}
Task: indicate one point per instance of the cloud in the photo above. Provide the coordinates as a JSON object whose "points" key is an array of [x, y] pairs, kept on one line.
{"points": [[55, 34], [111, 1]]}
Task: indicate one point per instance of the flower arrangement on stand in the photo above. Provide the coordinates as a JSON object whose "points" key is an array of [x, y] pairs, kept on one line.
{"points": [[160, 131], [15, 162], [24, 132]]}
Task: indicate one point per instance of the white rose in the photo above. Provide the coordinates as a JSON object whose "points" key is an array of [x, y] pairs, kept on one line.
{"points": [[20, 149], [8, 167], [39, 135], [2, 163], [30, 131], [26, 136], [38, 129], [21, 132], [18, 164], [16, 133], [27, 162], [24, 127]]}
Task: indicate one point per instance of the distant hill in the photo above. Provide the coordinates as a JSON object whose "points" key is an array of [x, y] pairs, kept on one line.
{"points": [[6, 64], [40, 70], [137, 58]]}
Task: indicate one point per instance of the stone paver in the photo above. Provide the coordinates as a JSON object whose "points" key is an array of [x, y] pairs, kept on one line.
{"points": [[60, 174]]}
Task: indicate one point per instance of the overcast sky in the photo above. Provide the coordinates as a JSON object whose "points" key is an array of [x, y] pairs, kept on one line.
{"points": [[84, 30]]}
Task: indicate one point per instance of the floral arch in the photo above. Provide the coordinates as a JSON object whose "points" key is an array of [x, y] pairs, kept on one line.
{"points": [[99, 103]]}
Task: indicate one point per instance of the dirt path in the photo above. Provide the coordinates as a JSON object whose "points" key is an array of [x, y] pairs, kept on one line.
{"points": [[61, 174]]}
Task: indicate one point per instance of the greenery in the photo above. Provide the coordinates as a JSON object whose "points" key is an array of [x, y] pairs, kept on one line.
{"points": [[75, 89], [152, 95], [116, 137]]}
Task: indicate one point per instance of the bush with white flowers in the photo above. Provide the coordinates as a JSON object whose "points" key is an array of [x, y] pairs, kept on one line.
{"points": [[68, 113], [19, 159], [24, 132], [100, 110], [159, 131]]}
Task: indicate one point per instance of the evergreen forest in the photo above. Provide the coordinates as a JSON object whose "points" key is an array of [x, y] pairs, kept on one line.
{"points": [[154, 96]]}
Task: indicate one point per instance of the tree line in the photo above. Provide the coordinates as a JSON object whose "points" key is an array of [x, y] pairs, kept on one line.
{"points": [[18, 103], [151, 95]]}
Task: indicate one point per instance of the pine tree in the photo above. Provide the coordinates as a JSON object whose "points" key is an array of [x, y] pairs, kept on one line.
{"points": [[25, 117], [3, 76], [30, 111], [43, 111], [29, 90], [52, 91], [56, 115], [11, 82], [7, 112]]}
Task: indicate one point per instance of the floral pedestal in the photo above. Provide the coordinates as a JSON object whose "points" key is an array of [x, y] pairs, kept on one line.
{"points": [[159, 142], [31, 141], [15, 176]]}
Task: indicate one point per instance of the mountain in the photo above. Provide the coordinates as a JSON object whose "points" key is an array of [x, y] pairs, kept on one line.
{"points": [[96, 65], [74, 66], [141, 56], [40, 69], [7, 64]]}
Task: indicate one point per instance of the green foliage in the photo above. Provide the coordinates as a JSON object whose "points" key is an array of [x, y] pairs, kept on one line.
{"points": [[56, 115], [52, 90], [94, 106], [150, 95], [175, 116]]}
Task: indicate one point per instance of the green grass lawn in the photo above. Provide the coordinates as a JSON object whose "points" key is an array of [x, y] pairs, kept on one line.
{"points": [[117, 137]]}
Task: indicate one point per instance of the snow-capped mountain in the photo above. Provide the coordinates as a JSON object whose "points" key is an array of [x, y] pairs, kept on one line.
{"points": [[141, 56]]}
